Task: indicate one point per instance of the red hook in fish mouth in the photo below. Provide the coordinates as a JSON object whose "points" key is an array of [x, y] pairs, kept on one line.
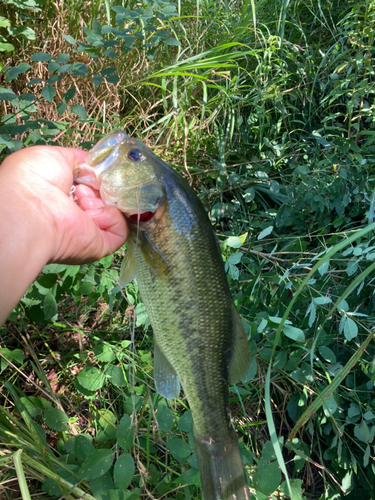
{"points": [[145, 217]]}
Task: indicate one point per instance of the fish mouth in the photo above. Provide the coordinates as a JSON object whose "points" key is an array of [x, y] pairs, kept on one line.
{"points": [[144, 217]]}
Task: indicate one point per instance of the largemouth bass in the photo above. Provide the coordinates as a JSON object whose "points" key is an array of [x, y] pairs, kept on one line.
{"points": [[199, 340]]}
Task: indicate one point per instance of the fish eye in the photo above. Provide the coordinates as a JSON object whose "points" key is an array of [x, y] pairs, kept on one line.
{"points": [[134, 154]]}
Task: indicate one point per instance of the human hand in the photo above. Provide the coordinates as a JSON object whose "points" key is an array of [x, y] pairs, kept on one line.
{"points": [[40, 222], [41, 177]]}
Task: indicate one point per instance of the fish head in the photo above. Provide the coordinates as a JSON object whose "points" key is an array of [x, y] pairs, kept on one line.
{"points": [[125, 173]]}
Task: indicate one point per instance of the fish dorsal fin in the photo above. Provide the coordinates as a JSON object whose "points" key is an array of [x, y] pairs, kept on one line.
{"points": [[127, 272], [166, 380], [240, 357]]}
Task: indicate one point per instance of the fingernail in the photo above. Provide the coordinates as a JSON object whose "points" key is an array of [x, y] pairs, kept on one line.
{"points": [[95, 211]]}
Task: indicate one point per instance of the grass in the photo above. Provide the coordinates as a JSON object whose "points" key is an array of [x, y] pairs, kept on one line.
{"points": [[266, 108]]}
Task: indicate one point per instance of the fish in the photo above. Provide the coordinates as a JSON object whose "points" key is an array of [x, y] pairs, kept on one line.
{"points": [[199, 340]]}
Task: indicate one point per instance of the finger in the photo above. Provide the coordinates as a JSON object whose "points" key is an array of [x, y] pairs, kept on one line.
{"points": [[112, 224], [83, 191]]}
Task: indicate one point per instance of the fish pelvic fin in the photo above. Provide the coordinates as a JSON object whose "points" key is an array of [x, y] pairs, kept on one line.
{"points": [[166, 380], [221, 469], [240, 356], [127, 272]]}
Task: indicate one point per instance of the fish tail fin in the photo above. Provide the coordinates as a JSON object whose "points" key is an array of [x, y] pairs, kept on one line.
{"points": [[221, 469]]}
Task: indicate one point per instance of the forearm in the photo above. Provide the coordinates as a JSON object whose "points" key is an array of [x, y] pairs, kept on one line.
{"points": [[24, 249]]}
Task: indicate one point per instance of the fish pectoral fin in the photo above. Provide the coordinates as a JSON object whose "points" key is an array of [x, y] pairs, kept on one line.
{"points": [[166, 380], [240, 357], [127, 272]]}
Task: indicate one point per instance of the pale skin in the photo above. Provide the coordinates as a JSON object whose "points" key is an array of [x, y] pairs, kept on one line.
{"points": [[40, 223]]}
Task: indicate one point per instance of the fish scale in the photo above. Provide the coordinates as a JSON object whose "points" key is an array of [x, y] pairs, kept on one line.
{"points": [[198, 336]]}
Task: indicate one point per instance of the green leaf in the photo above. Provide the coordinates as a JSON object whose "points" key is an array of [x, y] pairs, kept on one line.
{"points": [[65, 68], [56, 420], [48, 92], [49, 306], [40, 57], [350, 329], [47, 280], [362, 432], [69, 39], [178, 448], [80, 111], [101, 485], [96, 464], [6, 47], [83, 447], [63, 58], [165, 418], [115, 375], [91, 378], [112, 79], [69, 94], [294, 333], [323, 268], [61, 108], [265, 232], [104, 353], [267, 477], [185, 422], [97, 80], [125, 433], [329, 405], [53, 66], [171, 41], [123, 471], [233, 242], [327, 354], [110, 53]]}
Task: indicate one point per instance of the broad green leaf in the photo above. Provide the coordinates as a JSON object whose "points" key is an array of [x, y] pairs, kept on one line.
{"points": [[172, 41], [6, 47], [69, 94], [362, 432], [96, 464], [267, 477], [294, 333], [80, 111], [165, 418], [63, 58], [233, 242], [50, 306], [69, 39], [323, 268], [178, 448], [97, 80], [125, 433], [104, 353], [101, 485], [112, 79], [40, 57], [83, 447], [56, 420], [48, 92], [329, 405], [327, 354], [265, 232], [185, 422], [123, 471], [350, 329], [61, 108], [91, 378], [115, 375]]}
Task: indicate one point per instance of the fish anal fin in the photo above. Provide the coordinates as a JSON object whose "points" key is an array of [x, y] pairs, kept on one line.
{"points": [[127, 272], [240, 355], [166, 380]]}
